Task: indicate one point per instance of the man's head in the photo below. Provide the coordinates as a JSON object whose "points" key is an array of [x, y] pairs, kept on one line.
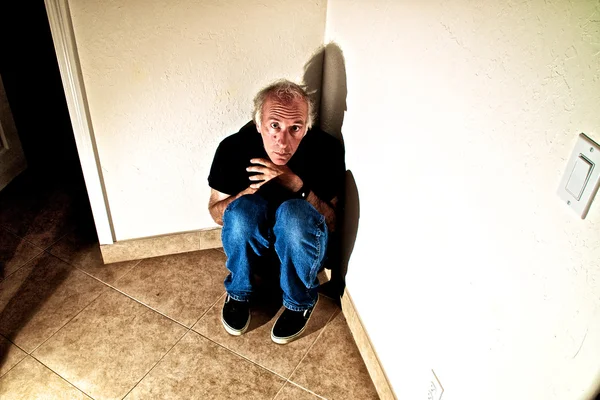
{"points": [[283, 113]]}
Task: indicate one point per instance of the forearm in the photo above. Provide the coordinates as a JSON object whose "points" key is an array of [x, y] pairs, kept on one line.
{"points": [[325, 209], [217, 208]]}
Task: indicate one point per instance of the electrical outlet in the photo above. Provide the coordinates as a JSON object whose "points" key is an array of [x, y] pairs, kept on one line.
{"points": [[435, 388]]}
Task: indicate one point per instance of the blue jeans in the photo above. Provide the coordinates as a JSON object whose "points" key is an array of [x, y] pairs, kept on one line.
{"points": [[296, 231]]}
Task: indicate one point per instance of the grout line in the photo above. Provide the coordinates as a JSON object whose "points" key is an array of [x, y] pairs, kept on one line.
{"points": [[23, 265], [96, 278], [306, 390], [20, 361], [67, 323], [149, 307], [19, 347], [333, 315], [242, 356], [207, 310], [108, 285], [6, 228], [60, 238], [61, 377], [155, 364], [279, 391]]}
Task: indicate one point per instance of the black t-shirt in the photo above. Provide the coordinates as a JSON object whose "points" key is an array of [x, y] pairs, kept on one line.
{"points": [[318, 161]]}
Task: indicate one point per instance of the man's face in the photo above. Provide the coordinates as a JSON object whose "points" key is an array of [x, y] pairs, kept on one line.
{"points": [[282, 127]]}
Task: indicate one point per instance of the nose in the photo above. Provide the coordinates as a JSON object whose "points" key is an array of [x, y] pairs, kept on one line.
{"points": [[281, 139]]}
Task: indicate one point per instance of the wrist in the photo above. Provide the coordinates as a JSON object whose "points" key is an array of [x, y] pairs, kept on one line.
{"points": [[303, 192]]}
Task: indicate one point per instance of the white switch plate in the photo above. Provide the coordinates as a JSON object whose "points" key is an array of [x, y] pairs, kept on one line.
{"points": [[588, 150], [435, 390]]}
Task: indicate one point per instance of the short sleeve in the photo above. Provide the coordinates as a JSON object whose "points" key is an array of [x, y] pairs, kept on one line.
{"points": [[221, 171]]}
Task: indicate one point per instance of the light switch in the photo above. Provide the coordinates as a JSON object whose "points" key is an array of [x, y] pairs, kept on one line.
{"points": [[579, 176], [581, 179]]}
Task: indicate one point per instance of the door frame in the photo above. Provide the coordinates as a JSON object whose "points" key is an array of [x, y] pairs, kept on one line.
{"points": [[63, 37]]}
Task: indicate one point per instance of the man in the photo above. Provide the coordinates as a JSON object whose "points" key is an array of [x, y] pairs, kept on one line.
{"points": [[275, 187]]}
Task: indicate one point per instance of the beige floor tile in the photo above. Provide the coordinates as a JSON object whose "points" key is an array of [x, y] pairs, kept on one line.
{"points": [[10, 355], [256, 344], [14, 252], [31, 380], [181, 286], [21, 201], [80, 248], [197, 368], [293, 392], [52, 221], [333, 368], [110, 346], [41, 297]]}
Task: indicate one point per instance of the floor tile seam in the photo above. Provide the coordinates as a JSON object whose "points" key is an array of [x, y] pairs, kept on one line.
{"points": [[306, 389], [148, 307], [59, 239], [139, 301], [92, 276], [242, 356], [19, 347], [333, 315], [207, 310], [130, 269], [19, 362], [69, 321], [157, 362], [61, 377], [41, 251], [280, 389], [19, 236], [6, 228]]}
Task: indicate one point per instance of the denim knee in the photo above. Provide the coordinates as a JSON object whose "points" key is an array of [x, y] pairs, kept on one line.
{"points": [[243, 216], [296, 219]]}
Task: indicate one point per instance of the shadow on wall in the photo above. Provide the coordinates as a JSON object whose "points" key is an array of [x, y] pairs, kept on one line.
{"points": [[325, 79], [596, 396]]}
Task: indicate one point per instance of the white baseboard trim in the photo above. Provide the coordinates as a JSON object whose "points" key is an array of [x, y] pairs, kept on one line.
{"points": [[367, 351]]}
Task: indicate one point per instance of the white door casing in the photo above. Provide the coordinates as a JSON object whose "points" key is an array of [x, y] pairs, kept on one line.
{"points": [[12, 159], [61, 27]]}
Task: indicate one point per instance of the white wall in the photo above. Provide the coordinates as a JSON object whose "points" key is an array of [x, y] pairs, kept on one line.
{"points": [[167, 80], [461, 116]]}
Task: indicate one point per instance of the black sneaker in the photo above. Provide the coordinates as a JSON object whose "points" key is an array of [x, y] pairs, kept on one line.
{"points": [[290, 325], [235, 316]]}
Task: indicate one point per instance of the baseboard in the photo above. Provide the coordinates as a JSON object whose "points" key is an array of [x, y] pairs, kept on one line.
{"points": [[136, 249], [380, 380]]}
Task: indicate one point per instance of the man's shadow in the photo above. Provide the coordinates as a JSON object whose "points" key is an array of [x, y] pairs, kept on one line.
{"points": [[325, 79]]}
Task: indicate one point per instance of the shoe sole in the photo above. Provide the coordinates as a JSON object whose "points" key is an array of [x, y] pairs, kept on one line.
{"points": [[286, 340], [236, 332]]}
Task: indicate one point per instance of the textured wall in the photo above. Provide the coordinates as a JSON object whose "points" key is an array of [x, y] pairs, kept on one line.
{"points": [[167, 80], [460, 118]]}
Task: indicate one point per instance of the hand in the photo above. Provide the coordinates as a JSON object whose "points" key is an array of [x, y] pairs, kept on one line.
{"points": [[267, 171]]}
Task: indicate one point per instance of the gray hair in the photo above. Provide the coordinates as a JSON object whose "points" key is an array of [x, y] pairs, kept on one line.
{"points": [[285, 91]]}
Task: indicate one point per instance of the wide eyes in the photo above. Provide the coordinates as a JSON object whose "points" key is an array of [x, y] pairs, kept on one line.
{"points": [[292, 129]]}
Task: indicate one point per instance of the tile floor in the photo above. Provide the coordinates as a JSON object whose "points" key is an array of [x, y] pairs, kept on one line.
{"points": [[72, 327]]}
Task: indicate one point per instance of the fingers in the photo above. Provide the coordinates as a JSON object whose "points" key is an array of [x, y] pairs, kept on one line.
{"points": [[261, 161], [256, 168]]}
